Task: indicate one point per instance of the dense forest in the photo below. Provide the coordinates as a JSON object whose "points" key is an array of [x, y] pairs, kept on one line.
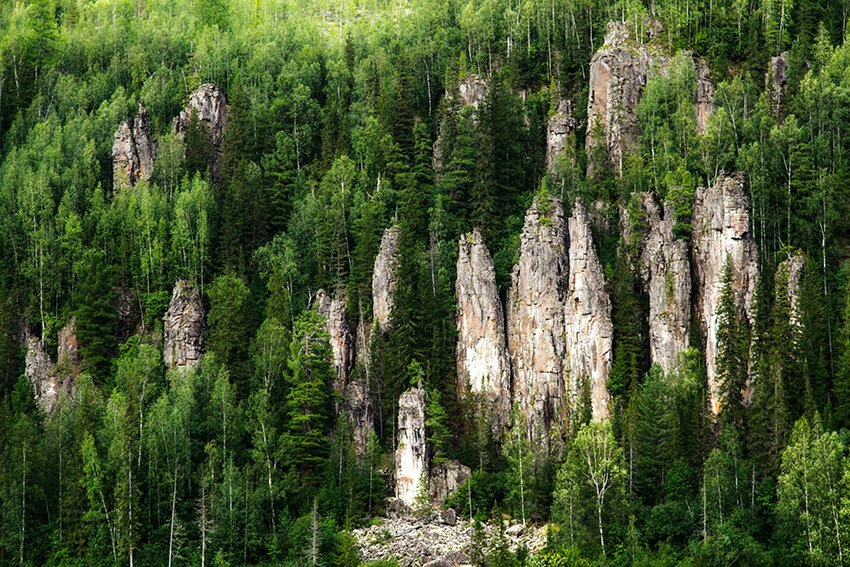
{"points": [[585, 261]]}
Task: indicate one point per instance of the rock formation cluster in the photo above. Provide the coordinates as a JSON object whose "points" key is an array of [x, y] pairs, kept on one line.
{"points": [[132, 151], [482, 354], [183, 327], [721, 230]]}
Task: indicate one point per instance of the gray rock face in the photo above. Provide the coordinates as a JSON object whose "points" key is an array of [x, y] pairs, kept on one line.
{"points": [[384, 279], [183, 327], [132, 151], [560, 125], [411, 456], [360, 413], [536, 331], [472, 90], [705, 95], [333, 309], [665, 271], [587, 319], [618, 73], [482, 354], [777, 79], [721, 228], [790, 273], [445, 479], [211, 107], [68, 351], [51, 382]]}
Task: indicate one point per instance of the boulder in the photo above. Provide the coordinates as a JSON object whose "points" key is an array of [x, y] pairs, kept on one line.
{"points": [[183, 327]]}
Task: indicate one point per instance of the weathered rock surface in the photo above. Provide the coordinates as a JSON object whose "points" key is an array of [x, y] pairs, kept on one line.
{"points": [[416, 541], [535, 314], [211, 107], [333, 310], [384, 278], [68, 352], [776, 79], [472, 89], [183, 327], [789, 274], [50, 381], [482, 354], [721, 229], [445, 479], [411, 456], [128, 313], [665, 271], [705, 94], [132, 151], [589, 332], [359, 411], [618, 73], [561, 124]]}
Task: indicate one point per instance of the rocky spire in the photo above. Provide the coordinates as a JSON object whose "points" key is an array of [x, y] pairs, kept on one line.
{"points": [[333, 310], [589, 331], [132, 151], [411, 456], [535, 328], [51, 381], [776, 79], [721, 229], [211, 108], [618, 73], [790, 272], [665, 271], [705, 94], [183, 327], [384, 279], [482, 354], [560, 125]]}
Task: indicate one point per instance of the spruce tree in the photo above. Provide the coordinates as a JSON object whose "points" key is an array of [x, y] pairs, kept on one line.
{"points": [[731, 351]]}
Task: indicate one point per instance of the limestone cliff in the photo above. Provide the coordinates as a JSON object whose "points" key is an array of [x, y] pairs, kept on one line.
{"points": [[482, 359], [721, 229], [183, 327], [132, 151], [587, 318], [535, 320], [384, 279], [333, 310], [665, 271], [561, 124], [411, 456]]}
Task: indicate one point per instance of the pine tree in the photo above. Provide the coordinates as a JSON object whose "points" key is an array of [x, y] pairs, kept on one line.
{"points": [[731, 351], [95, 312]]}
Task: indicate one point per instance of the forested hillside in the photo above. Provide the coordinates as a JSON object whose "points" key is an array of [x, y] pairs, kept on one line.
{"points": [[489, 282]]}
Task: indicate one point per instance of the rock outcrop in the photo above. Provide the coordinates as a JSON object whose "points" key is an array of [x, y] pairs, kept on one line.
{"points": [[132, 151], [445, 479], [51, 381], [68, 353], [411, 456], [209, 104], [561, 124], [705, 95], [384, 278], [789, 277], [618, 73], [472, 89], [482, 354], [587, 320], [183, 327], [360, 414], [776, 79], [535, 315], [333, 310], [665, 271], [721, 229]]}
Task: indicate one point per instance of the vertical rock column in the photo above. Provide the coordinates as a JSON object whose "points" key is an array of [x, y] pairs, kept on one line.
{"points": [[209, 104], [333, 310], [589, 332], [666, 274], [384, 279], [560, 126], [411, 456], [482, 354], [132, 151], [536, 331], [721, 229], [790, 273], [183, 327]]}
